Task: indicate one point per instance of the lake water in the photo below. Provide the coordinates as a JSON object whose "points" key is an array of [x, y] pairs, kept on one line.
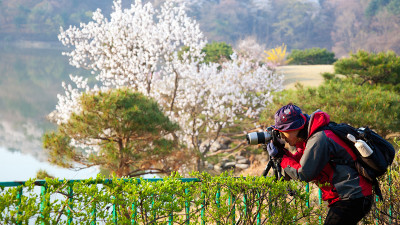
{"points": [[17, 166], [30, 79]]}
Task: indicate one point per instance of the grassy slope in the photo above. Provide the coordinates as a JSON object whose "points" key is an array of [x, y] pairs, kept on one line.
{"points": [[308, 75]]}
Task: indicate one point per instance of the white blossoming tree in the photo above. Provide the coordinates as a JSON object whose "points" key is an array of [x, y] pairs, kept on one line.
{"points": [[142, 48]]}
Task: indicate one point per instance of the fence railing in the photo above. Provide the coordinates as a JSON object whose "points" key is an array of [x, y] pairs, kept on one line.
{"points": [[199, 202], [168, 201]]}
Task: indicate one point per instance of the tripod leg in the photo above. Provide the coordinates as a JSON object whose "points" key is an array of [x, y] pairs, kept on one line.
{"points": [[267, 168], [278, 169]]}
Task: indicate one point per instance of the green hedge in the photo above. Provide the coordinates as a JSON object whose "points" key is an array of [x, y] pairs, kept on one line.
{"points": [[312, 56], [207, 199], [216, 199]]}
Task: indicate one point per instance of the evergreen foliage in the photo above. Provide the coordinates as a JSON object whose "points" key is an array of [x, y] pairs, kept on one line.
{"points": [[381, 67], [127, 129], [217, 52], [313, 56]]}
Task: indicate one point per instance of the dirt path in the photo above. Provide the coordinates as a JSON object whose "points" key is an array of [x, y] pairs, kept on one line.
{"points": [[308, 75]]}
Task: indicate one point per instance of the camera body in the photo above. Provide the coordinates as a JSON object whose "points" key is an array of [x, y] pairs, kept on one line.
{"points": [[256, 138]]}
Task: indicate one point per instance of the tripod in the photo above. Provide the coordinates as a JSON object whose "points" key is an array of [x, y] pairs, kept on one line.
{"points": [[275, 164]]}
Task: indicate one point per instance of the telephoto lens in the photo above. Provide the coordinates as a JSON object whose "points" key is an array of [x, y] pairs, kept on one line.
{"points": [[256, 138]]}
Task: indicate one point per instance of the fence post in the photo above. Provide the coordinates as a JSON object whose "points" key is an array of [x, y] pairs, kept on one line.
{"points": [[390, 194], [114, 212], [171, 215], [218, 199], [258, 208], [269, 204], [134, 214], [152, 207], [19, 197], [134, 206], [308, 198], [203, 205], [70, 203], [320, 203], [187, 207], [245, 205], [232, 202], [43, 201], [377, 211], [93, 213]]}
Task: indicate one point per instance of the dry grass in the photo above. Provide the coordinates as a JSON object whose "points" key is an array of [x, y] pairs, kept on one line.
{"points": [[308, 75]]}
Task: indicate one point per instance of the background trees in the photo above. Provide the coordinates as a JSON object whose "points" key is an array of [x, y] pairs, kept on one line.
{"points": [[337, 25]]}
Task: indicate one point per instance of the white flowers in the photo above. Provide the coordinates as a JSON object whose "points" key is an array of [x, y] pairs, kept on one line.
{"points": [[138, 47]]}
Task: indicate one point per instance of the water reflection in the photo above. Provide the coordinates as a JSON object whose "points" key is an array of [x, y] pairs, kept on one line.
{"points": [[30, 79], [16, 166]]}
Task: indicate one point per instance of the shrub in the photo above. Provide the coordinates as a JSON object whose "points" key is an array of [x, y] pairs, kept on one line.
{"points": [[313, 56], [216, 199], [276, 56], [217, 52], [209, 199], [382, 67]]}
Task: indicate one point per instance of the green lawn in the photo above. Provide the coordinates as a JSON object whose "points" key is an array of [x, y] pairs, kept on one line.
{"points": [[308, 75]]}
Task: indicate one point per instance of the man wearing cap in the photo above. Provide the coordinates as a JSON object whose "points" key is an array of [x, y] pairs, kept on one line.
{"points": [[348, 194]]}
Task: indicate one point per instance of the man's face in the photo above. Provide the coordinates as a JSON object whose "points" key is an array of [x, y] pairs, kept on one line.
{"points": [[290, 137]]}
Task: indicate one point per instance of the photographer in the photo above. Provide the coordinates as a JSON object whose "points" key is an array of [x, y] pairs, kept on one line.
{"points": [[348, 194]]}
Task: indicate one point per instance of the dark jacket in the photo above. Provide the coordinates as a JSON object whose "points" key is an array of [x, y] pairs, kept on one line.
{"points": [[311, 162]]}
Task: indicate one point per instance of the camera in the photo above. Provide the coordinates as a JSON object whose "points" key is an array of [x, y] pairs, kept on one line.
{"points": [[256, 138]]}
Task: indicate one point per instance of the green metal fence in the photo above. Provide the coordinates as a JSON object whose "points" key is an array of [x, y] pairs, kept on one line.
{"points": [[44, 199]]}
